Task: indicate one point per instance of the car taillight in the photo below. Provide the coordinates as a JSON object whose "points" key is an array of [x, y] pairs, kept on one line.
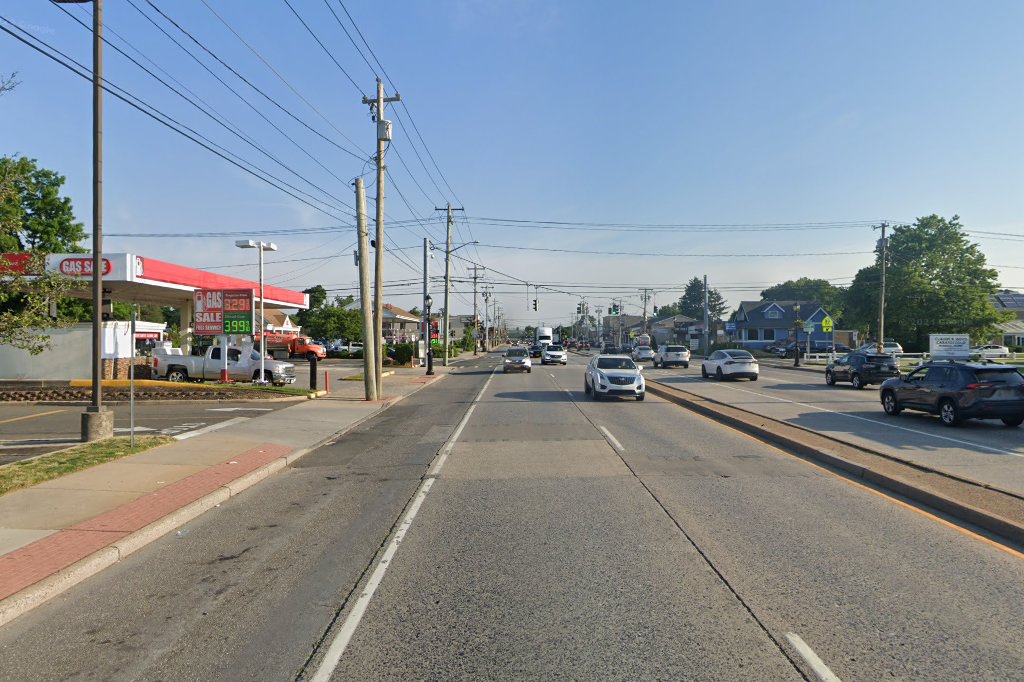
{"points": [[730, 362], [975, 387], [156, 362]]}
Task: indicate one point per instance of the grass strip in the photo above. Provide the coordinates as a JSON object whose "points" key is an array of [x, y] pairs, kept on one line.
{"points": [[284, 390], [48, 467]]}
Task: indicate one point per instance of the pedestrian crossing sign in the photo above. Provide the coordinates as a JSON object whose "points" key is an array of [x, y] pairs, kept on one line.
{"points": [[827, 324]]}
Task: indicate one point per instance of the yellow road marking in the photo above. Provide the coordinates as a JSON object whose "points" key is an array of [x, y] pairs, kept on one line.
{"points": [[933, 517], [30, 416]]}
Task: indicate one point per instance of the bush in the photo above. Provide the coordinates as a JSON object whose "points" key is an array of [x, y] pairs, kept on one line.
{"points": [[404, 352]]}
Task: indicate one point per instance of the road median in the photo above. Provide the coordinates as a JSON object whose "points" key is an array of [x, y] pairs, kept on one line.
{"points": [[998, 511]]}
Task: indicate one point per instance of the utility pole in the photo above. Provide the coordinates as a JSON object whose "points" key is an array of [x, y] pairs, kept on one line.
{"points": [[486, 295], [383, 136], [425, 323], [369, 349], [476, 322], [447, 277], [707, 321], [645, 295], [884, 243]]}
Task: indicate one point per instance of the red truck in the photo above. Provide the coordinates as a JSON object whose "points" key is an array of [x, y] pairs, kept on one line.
{"points": [[294, 346]]}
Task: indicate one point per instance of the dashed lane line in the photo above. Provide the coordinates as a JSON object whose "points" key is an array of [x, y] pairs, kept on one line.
{"points": [[818, 667]]}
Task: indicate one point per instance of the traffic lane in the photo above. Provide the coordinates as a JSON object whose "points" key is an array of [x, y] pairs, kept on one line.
{"points": [[538, 555], [247, 590], [983, 450], [875, 588]]}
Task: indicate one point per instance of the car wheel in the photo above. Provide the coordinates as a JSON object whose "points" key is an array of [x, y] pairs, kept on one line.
{"points": [[686, 365], [640, 397], [594, 395], [586, 387], [753, 378], [856, 381], [718, 374], [830, 378], [890, 404], [504, 370], [177, 375], [703, 372], [1014, 421], [949, 413], [528, 370]]}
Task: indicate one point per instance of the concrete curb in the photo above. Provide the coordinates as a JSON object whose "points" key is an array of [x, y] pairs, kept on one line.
{"points": [[762, 427], [53, 585]]}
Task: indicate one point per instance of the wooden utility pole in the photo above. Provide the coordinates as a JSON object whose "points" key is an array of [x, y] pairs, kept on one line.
{"points": [[447, 277], [369, 349], [884, 244], [383, 137], [476, 323]]}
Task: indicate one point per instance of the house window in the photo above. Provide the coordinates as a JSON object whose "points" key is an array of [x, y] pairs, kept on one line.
{"points": [[768, 334], [773, 314]]}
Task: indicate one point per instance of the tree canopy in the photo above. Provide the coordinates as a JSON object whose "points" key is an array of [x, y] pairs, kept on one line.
{"points": [[821, 291], [691, 303], [937, 281], [330, 319]]}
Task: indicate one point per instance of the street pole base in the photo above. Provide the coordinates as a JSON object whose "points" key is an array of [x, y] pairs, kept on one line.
{"points": [[97, 425]]}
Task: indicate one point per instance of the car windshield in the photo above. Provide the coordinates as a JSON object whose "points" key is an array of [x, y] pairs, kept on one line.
{"points": [[517, 353], [739, 354], [615, 363], [1006, 377], [555, 348]]}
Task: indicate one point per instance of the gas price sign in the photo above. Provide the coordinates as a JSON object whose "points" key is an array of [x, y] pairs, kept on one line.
{"points": [[238, 311]]}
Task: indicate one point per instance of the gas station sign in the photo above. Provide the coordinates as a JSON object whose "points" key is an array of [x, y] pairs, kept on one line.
{"points": [[223, 311]]}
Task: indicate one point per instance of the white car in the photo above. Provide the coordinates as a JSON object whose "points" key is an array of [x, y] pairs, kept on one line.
{"points": [[642, 353], [613, 375], [990, 351], [553, 353], [672, 355], [732, 363], [889, 348], [516, 360]]}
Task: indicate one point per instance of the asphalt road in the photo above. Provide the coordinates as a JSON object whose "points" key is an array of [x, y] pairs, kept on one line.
{"points": [[555, 537], [984, 450], [28, 429]]}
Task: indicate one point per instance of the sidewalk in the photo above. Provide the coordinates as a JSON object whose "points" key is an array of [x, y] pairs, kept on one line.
{"points": [[56, 534]]}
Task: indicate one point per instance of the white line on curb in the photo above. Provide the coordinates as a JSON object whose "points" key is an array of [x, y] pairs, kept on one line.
{"points": [[818, 667], [211, 427], [611, 440], [341, 640]]}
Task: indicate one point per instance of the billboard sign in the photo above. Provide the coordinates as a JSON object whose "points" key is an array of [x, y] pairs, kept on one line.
{"points": [[949, 346]]}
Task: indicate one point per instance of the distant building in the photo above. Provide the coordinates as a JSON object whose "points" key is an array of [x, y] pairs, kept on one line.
{"points": [[761, 323], [1011, 333]]}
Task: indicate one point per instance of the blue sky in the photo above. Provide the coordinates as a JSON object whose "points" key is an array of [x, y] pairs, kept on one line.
{"points": [[577, 111]]}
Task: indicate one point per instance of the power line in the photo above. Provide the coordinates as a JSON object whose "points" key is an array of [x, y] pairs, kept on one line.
{"points": [[672, 255], [196, 137]]}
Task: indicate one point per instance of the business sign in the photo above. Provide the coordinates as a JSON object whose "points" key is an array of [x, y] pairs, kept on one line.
{"points": [[81, 266], [238, 311], [949, 346], [730, 327], [827, 324], [209, 312]]}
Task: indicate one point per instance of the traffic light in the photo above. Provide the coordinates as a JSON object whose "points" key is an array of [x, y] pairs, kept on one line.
{"points": [[534, 304]]}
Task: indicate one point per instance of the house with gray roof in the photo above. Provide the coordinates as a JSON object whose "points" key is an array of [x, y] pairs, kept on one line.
{"points": [[763, 323]]}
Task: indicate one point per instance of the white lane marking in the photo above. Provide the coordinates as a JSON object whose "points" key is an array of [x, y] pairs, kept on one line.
{"points": [[211, 427], [341, 640], [818, 667], [873, 421], [611, 440], [239, 409], [551, 375]]}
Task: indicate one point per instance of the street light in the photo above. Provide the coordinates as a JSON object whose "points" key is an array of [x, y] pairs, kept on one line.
{"points": [[427, 301], [96, 422], [261, 247]]}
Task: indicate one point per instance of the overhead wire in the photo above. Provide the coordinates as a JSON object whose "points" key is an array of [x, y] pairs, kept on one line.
{"points": [[154, 113]]}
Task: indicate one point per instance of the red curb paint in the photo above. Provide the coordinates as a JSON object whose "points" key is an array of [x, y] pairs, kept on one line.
{"points": [[34, 562]]}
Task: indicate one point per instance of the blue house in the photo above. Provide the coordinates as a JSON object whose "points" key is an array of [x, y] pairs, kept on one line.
{"points": [[763, 323]]}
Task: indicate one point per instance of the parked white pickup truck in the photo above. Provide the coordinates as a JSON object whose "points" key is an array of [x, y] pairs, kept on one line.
{"points": [[243, 365]]}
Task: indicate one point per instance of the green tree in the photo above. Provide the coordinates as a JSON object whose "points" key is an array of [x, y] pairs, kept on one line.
{"points": [[831, 297], [937, 281], [332, 320], [36, 217], [691, 303]]}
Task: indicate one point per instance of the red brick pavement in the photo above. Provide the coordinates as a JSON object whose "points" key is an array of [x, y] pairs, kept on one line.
{"points": [[30, 564]]}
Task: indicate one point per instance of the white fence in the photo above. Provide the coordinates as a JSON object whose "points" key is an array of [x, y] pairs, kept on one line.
{"points": [[904, 359]]}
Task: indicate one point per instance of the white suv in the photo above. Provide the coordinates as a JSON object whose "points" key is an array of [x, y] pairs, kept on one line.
{"points": [[672, 355], [553, 353], [642, 353]]}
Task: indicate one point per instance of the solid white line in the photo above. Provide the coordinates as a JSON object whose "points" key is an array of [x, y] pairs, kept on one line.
{"points": [[611, 440], [211, 427], [818, 667], [873, 421], [341, 640]]}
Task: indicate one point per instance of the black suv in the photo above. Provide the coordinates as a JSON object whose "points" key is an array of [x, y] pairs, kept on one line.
{"points": [[959, 390], [862, 369]]}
